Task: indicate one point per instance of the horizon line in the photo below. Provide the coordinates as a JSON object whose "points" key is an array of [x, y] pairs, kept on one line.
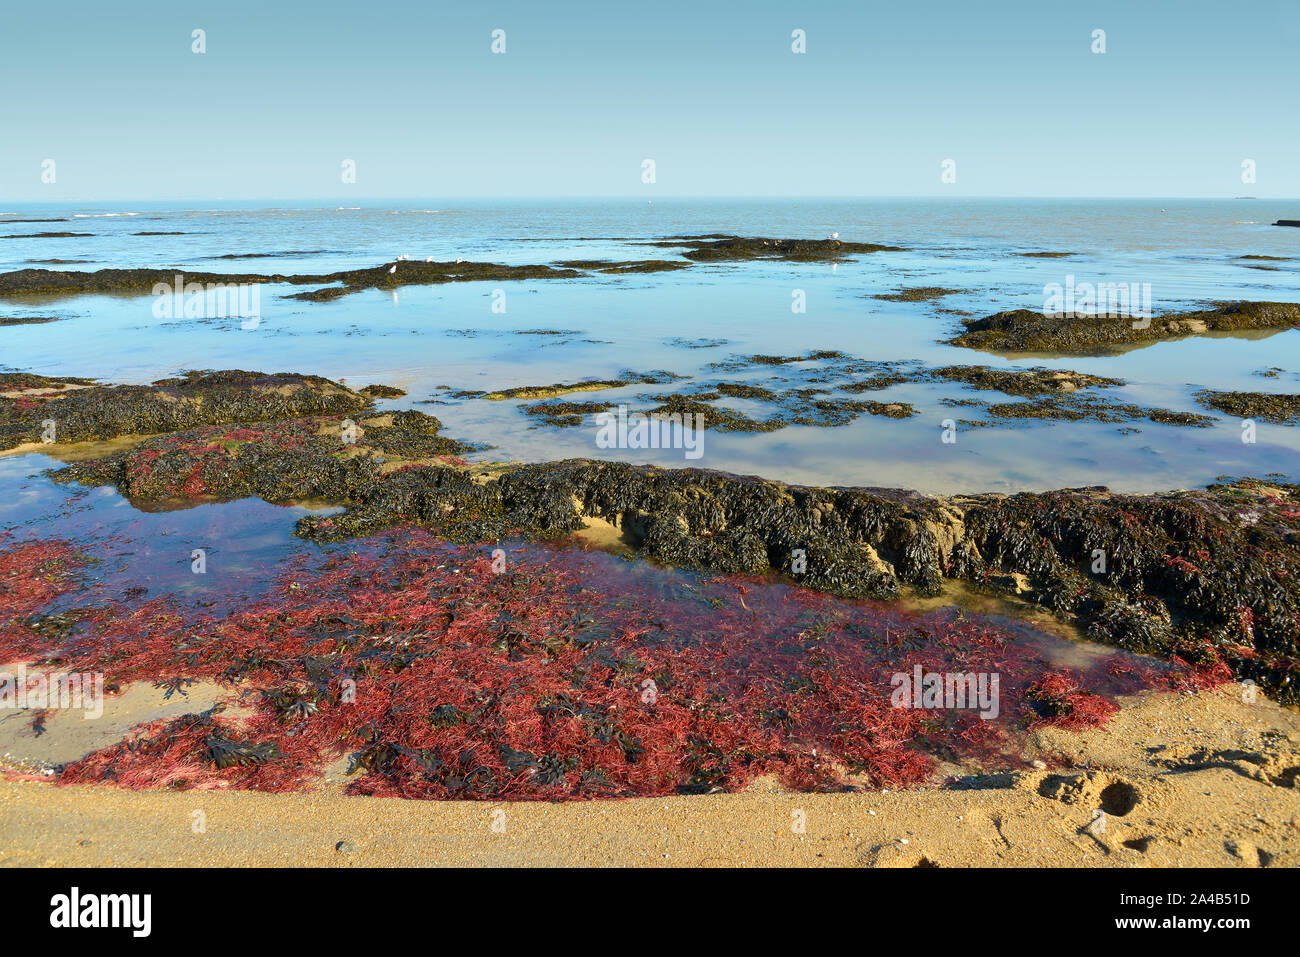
{"points": [[330, 200]]}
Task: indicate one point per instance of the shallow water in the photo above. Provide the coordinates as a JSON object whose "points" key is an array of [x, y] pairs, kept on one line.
{"points": [[422, 337]]}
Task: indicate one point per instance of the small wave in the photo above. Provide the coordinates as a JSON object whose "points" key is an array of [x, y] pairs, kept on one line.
{"points": [[345, 208], [1245, 222], [101, 215]]}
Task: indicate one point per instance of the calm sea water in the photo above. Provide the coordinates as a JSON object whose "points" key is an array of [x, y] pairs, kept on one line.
{"points": [[424, 336]]}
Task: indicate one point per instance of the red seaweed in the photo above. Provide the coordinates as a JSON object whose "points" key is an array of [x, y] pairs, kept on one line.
{"points": [[570, 674]]}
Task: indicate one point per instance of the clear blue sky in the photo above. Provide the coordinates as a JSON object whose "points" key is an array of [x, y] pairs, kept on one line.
{"points": [[586, 91]]}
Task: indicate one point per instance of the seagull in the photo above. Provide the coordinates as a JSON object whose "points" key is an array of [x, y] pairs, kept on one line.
{"points": [[392, 269], [459, 260], [835, 235], [429, 260]]}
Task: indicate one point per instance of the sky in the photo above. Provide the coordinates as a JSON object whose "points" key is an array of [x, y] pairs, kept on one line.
{"points": [[585, 93]]}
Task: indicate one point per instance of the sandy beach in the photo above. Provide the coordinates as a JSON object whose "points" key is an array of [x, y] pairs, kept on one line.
{"points": [[1201, 780]]}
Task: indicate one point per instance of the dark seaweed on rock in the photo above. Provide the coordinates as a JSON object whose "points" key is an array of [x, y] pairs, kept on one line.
{"points": [[1204, 575], [918, 294], [718, 418], [696, 343], [1021, 382], [1022, 330], [716, 247], [383, 392], [626, 378], [226, 753], [409, 273], [277, 461], [563, 414], [46, 235], [418, 274], [1080, 408], [633, 266], [1265, 406], [412, 435], [20, 381], [28, 320], [170, 405], [833, 412], [335, 285], [287, 252], [742, 362]]}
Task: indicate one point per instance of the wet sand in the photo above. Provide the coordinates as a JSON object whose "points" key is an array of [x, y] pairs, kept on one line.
{"points": [[1190, 780]]}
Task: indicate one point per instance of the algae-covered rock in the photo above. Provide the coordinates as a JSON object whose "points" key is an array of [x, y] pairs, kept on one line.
{"points": [[718, 247], [1022, 330], [1265, 406], [100, 412], [334, 285]]}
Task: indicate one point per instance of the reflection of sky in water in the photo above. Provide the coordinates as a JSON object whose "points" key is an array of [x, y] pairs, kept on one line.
{"points": [[243, 541], [1187, 251]]}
